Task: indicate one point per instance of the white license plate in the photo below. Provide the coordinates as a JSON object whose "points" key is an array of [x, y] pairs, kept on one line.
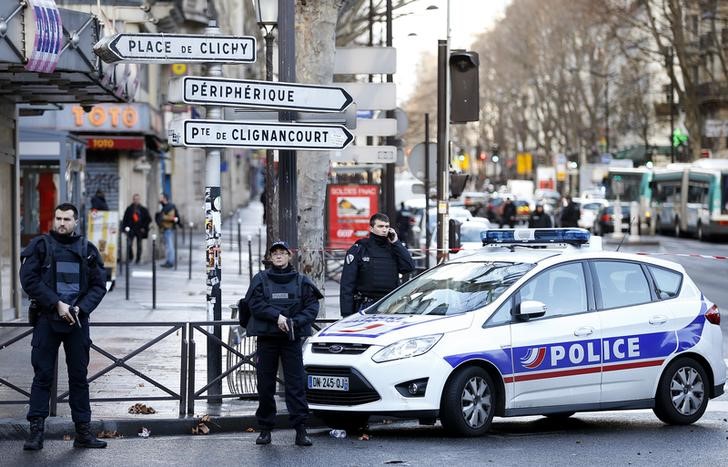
{"points": [[329, 383]]}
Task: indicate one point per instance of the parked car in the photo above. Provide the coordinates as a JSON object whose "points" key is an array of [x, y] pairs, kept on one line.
{"points": [[474, 200], [604, 222], [589, 211], [541, 329]]}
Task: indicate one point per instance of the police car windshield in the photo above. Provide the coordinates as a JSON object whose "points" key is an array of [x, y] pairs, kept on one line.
{"points": [[452, 288]]}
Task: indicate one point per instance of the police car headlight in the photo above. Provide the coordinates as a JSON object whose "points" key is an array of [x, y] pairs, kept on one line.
{"points": [[406, 348]]}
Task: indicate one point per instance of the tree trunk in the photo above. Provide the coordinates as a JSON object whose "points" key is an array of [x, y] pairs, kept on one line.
{"points": [[315, 48]]}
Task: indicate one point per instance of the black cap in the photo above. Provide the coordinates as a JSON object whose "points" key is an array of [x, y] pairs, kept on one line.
{"points": [[279, 244]]}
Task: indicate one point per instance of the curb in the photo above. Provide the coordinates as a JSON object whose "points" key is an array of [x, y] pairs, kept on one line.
{"points": [[58, 427]]}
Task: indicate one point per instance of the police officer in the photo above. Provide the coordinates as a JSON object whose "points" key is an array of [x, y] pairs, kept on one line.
{"points": [[64, 276], [372, 266], [283, 304]]}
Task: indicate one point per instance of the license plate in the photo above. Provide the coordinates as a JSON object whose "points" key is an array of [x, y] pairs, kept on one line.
{"points": [[329, 383]]}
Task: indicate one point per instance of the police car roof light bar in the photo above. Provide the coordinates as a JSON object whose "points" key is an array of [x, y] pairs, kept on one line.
{"points": [[535, 236]]}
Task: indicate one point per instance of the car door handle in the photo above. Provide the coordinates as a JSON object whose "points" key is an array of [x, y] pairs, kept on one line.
{"points": [[659, 319], [585, 331]]}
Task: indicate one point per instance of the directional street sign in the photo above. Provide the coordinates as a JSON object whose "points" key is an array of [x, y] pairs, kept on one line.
{"points": [[166, 48], [221, 133], [258, 94]]}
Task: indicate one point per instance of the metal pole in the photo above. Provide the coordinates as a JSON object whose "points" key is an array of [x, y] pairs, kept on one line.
{"points": [[213, 232], [231, 229], [270, 225], [671, 101], [260, 253], [175, 242], [240, 252], [606, 112], [126, 266], [428, 237], [189, 258], [287, 181], [154, 272], [443, 188], [250, 258], [390, 206]]}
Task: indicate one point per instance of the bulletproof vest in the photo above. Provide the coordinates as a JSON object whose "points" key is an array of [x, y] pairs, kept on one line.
{"points": [[283, 292], [378, 272], [68, 269]]}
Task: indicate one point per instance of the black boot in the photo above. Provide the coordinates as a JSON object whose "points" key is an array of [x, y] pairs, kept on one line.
{"points": [[35, 440], [263, 437], [86, 439], [302, 438]]}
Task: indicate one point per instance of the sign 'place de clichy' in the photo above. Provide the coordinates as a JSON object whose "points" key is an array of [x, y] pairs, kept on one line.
{"points": [[163, 48]]}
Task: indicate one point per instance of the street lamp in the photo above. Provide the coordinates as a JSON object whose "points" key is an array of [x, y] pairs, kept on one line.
{"points": [[266, 12]]}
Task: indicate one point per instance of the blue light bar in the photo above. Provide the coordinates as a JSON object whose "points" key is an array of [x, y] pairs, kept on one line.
{"points": [[535, 236]]}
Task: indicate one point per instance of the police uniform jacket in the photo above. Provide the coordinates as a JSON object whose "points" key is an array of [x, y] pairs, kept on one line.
{"points": [[371, 268], [280, 299], [44, 283]]}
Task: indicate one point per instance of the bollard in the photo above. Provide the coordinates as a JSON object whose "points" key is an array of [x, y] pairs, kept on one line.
{"points": [[154, 271], [189, 260], [240, 252], [176, 219], [126, 266], [250, 258], [231, 229], [184, 233], [260, 253]]}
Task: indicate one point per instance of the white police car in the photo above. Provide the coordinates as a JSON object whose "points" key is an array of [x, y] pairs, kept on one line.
{"points": [[519, 329]]}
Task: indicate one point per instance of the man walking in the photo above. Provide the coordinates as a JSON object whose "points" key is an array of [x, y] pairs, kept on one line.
{"points": [[167, 221], [372, 266], [64, 276], [137, 218], [283, 304]]}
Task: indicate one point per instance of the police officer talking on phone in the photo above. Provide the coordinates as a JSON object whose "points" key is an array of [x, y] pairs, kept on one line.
{"points": [[64, 276], [372, 266], [283, 305]]}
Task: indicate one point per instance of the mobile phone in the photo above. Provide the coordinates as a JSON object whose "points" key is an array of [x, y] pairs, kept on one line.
{"points": [[390, 235]]}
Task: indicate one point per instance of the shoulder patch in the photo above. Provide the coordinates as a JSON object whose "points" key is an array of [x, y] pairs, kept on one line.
{"points": [[349, 258]]}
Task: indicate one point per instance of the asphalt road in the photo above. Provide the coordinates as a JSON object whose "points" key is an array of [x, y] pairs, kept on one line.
{"points": [[616, 438]]}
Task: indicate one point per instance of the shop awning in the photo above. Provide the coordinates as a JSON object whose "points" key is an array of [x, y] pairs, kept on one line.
{"points": [[79, 76]]}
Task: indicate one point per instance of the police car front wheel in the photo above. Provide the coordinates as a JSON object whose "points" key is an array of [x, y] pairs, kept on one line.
{"points": [[681, 395], [468, 402]]}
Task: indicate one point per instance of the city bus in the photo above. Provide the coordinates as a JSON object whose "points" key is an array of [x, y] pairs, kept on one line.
{"points": [[636, 190], [692, 199]]}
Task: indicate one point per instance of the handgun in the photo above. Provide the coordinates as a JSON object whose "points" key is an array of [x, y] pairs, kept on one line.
{"points": [[75, 310], [291, 332]]}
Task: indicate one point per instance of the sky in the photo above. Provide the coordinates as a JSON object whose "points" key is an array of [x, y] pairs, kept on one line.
{"points": [[468, 18]]}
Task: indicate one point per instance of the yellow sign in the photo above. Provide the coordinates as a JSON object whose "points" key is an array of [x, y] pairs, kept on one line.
{"points": [[103, 230], [524, 163], [179, 69]]}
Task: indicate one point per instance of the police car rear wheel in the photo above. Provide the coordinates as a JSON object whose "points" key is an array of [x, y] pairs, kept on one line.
{"points": [[468, 403], [681, 396]]}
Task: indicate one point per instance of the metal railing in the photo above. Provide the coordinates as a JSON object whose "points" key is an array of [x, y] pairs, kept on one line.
{"points": [[240, 368]]}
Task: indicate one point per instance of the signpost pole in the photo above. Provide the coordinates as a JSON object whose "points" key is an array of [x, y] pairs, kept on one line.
{"points": [[213, 230], [287, 180], [428, 238], [271, 226]]}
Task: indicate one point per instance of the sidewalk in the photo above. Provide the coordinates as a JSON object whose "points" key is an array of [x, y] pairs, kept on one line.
{"points": [[179, 299]]}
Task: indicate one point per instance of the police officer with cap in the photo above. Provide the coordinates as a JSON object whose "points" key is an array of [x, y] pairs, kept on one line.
{"points": [[283, 304], [372, 266], [64, 276]]}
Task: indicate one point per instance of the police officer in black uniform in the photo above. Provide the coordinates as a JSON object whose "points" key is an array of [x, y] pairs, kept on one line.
{"points": [[372, 266], [64, 276], [283, 304]]}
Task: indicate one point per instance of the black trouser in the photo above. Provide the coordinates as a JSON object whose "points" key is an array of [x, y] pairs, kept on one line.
{"points": [[76, 344], [270, 349], [139, 242]]}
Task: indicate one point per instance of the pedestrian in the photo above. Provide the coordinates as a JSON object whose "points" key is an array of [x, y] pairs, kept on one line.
{"points": [[283, 305], [372, 266], [137, 218], [508, 216], [167, 220], [405, 220], [60, 309], [98, 201], [539, 219], [570, 213]]}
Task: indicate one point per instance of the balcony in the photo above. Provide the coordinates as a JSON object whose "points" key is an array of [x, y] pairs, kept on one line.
{"points": [[712, 92]]}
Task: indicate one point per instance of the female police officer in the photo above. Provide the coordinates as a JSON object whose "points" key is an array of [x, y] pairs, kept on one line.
{"points": [[283, 304]]}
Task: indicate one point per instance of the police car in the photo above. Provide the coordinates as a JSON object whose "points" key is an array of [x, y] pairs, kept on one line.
{"points": [[522, 328]]}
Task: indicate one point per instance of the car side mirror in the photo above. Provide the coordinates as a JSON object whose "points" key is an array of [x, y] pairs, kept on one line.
{"points": [[530, 309]]}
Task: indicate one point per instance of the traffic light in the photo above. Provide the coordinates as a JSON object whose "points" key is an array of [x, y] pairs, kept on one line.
{"points": [[464, 86]]}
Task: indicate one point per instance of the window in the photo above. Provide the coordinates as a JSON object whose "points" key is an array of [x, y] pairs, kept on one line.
{"points": [[621, 284], [502, 316], [667, 283], [561, 288]]}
